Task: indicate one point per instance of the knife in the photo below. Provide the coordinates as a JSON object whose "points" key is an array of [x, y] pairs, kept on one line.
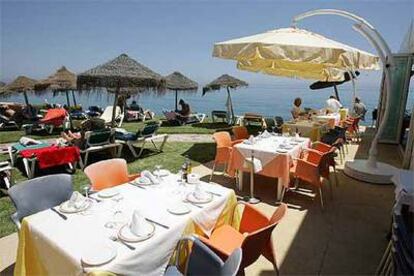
{"points": [[60, 215], [157, 223]]}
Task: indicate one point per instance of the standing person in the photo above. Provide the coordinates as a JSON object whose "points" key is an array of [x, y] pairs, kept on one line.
{"points": [[296, 110], [359, 109], [333, 104]]}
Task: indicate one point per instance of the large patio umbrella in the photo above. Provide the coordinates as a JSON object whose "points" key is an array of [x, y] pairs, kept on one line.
{"points": [[123, 75], [225, 81], [62, 80], [178, 82], [326, 84], [293, 52], [20, 84]]}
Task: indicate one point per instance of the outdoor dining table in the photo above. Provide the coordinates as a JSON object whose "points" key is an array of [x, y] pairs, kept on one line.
{"points": [[273, 162], [332, 119], [306, 128], [51, 245]]}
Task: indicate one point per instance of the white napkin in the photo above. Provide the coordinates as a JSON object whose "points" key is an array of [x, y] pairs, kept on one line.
{"points": [[265, 134], [297, 136], [150, 176], [76, 200], [199, 193], [26, 141], [138, 224], [258, 166]]}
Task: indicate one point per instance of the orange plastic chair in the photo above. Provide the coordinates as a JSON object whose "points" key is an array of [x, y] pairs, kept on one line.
{"points": [[108, 173], [240, 133], [224, 149], [312, 169], [253, 236]]}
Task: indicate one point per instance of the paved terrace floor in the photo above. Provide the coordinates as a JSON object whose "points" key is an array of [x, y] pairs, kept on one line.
{"points": [[348, 237]]}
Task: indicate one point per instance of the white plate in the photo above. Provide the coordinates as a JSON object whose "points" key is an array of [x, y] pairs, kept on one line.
{"points": [[107, 193], [191, 198], [98, 254], [281, 151], [65, 208], [178, 209], [161, 173], [125, 233], [143, 181]]}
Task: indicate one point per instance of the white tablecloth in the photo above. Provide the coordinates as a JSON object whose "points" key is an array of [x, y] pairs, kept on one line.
{"points": [[61, 243], [328, 117]]}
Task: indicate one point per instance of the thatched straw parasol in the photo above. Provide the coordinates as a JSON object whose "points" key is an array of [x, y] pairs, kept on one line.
{"points": [[122, 74], [178, 82], [20, 84], [62, 80], [225, 81], [2, 84]]}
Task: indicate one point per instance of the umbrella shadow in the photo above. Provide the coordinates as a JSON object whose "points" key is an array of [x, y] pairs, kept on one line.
{"points": [[201, 152]]}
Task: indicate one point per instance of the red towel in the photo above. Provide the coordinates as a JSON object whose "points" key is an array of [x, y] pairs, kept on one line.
{"points": [[54, 116], [53, 155]]}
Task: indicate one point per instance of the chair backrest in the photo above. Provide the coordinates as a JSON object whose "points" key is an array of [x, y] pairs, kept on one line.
{"points": [[99, 137], [279, 121], [203, 261], [54, 116], [107, 114], [107, 173], [148, 130], [232, 264], [240, 132], [222, 139], [38, 194], [270, 123], [257, 241]]}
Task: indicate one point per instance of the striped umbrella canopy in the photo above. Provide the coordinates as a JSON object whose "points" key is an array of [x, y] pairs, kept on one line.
{"points": [[176, 81]]}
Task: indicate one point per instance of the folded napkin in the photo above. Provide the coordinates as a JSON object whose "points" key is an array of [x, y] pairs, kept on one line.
{"points": [[138, 225], [249, 141], [199, 193], [265, 134], [257, 164], [76, 200], [150, 176]]}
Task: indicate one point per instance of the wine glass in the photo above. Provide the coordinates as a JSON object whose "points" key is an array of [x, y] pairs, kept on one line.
{"points": [[86, 189], [158, 172]]}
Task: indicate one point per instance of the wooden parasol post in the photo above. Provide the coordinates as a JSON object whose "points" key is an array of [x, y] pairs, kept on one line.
{"points": [[67, 98], [115, 105], [26, 99], [231, 105], [336, 92], [176, 100], [73, 97]]}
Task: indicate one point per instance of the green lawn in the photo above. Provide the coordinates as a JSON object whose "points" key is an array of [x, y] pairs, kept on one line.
{"points": [[207, 127], [171, 159]]}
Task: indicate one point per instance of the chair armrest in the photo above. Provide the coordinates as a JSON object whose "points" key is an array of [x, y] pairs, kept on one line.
{"points": [[252, 218], [322, 147], [133, 176], [223, 255], [308, 172], [313, 156], [235, 142], [16, 220]]}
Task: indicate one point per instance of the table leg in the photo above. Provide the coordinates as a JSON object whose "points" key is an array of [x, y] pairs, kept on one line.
{"points": [[279, 188], [240, 177]]}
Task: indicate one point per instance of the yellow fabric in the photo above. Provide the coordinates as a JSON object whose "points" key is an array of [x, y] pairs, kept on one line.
{"points": [[27, 262], [343, 112], [314, 134], [297, 53]]}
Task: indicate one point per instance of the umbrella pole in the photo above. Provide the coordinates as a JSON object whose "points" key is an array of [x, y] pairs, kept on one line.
{"points": [[336, 92], [74, 99], [67, 98], [26, 99], [114, 107], [231, 105], [176, 100]]}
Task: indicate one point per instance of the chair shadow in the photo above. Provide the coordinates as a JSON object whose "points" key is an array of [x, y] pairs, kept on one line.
{"points": [[201, 152]]}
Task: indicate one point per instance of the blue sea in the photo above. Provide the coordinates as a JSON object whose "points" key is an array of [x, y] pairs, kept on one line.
{"points": [[265, 99]]}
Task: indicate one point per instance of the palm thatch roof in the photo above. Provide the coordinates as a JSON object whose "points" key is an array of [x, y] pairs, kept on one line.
{"points": [[20, 84], [177, 81], [224, 81], [61, 80], [121, 72], [2, 84]]}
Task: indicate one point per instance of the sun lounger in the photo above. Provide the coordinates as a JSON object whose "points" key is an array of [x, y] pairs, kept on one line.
{"points": [[5, 176], [250, 118], [135, 115], [175, 118], [107, 116], [24, 143], [6, 123], [140, 138], [54, 117], [99, 140], [219, 114], [50, 156]]}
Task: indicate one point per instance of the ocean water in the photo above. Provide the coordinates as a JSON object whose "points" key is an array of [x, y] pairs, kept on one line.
{"points": [[265, 99]]}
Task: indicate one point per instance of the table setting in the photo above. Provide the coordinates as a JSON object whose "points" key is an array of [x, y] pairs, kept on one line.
{"points": [[272, 154], [127, 229]]}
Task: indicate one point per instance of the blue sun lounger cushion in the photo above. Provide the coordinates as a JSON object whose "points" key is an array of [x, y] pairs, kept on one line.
{"points": [[147, 131]]}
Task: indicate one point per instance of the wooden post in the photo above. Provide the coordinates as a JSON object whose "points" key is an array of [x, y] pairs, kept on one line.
{"points": [[231, 105], [67, 98], [336, 92], [176, 100], [74, 99], [115, 105], [26, 99]]}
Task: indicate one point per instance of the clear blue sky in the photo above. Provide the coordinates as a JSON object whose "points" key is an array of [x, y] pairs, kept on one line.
{"points": [[37, 37]]}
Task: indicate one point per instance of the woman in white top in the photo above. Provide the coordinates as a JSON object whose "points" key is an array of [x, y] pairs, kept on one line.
{"points": [[333, 104]]}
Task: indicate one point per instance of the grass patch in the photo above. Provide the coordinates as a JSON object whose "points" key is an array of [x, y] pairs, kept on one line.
{"points": [[171, 158]]}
